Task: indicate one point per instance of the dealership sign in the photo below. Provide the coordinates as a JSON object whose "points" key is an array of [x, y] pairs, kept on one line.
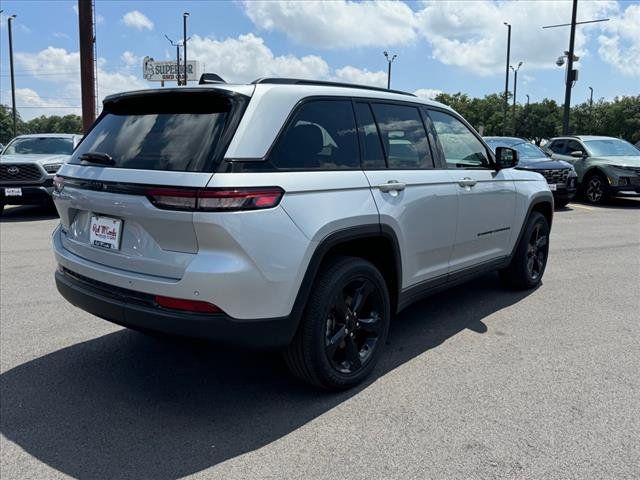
{"points": [[154, 71]]}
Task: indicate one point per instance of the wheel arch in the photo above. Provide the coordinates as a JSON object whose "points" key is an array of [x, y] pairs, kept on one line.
{"points": [[374, 242], [542, 204]]}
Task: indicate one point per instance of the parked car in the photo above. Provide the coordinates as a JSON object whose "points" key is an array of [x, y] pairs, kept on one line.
{"points": [[28, 165], [290, 214], [560, 175], [606, 166]]}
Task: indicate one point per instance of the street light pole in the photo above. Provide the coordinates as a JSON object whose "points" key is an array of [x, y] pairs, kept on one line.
{"points": [[184, 45], [389, 62], [506, 80], [570, 72], [527, 95], [515, 87], [591, 97], [13, 80]]}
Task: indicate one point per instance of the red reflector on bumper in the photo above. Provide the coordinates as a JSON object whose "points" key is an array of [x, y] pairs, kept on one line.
{"points": [[187, 305]]}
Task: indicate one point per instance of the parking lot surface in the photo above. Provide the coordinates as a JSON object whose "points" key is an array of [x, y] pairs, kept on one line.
{"points": [[476, 382]]}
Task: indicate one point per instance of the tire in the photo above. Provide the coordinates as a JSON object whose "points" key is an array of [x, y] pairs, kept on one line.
{"points": [[1, 208], [595, 189], [334, 347], [530, 258], [560, 203]]}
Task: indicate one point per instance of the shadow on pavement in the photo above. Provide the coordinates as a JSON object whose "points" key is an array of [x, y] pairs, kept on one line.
{"points": [[27, 213], [130, 406]]}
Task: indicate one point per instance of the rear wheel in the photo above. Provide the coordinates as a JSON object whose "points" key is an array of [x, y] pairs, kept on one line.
{"points": [[344, 328], [530, 259], [596, 188], [561, 203]]}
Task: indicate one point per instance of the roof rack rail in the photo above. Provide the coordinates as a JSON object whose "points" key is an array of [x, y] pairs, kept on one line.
{"points": [[297, 81], [210, 78]]}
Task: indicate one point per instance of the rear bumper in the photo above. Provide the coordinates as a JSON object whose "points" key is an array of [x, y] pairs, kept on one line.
{"points": [[31, 194], [133, 310]]}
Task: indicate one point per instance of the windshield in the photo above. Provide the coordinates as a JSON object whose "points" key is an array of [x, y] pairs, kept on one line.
{"points": [[610, 148], [525, 149], [40, 146], [177, 134]]}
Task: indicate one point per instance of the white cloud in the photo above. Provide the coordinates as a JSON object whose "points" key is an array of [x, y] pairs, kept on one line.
{"points": [[427, 93], [137, 19], [60, 35], [246, 58], [471, 35], [59, 73], [130, 59], [464, 33], [620, 44], [362, 76], [337, 23]]}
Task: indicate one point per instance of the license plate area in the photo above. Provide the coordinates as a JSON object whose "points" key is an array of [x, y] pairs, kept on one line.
{"points": [[12, 192], [105, 232], [553, 187]]}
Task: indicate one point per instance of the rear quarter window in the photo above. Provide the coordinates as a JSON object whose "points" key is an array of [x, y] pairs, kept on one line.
{"points": [[320, 136]]}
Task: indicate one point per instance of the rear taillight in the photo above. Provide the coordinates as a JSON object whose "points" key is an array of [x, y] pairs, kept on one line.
{"points": [[187, 305], [215, 200]]}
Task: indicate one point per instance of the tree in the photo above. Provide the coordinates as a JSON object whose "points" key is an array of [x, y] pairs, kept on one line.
{"points": [[6, 124]]}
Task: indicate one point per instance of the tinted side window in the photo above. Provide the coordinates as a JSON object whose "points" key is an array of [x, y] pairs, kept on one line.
{"points": [[557, 146], [573, 146], [321, 136], [370, 146], [403, 136], [460, 146]]}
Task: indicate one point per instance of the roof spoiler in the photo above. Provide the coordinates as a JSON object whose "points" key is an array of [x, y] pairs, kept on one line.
{"points": [[206, 78]]}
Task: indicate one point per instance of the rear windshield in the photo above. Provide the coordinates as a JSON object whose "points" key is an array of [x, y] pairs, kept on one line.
{"points": [[179, 132], [40, 146]]}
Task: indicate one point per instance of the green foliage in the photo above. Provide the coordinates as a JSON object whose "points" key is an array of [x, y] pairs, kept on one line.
{"points": [[536, 121], [43, 124]]}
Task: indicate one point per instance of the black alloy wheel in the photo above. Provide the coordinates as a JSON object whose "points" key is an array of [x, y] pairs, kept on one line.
{"points": [[596, 189], [344, 327], [537, 250], [354, 325]]}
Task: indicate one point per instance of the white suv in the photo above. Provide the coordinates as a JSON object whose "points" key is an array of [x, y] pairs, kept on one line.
{"points": [[288, 213]]}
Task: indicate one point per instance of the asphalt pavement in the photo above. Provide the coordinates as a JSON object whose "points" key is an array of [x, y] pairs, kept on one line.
{"points": [[476, 383]]}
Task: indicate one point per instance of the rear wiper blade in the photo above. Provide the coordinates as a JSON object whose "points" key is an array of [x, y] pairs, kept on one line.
{"points": [[97, 157]]}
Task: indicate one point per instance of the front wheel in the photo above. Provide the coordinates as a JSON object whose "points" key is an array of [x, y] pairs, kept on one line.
{"points": [[344, 327], [530, 258], [595, 188]]}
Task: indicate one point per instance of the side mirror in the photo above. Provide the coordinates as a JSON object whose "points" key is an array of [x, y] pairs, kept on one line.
{"points": [[578, 154], [506, 157]]}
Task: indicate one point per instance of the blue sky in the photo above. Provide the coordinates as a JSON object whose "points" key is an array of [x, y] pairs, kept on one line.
{"points": [[441, 46]]}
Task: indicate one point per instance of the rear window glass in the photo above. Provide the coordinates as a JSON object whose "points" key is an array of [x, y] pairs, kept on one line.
{"points": [[40, 146], [152, 134]]}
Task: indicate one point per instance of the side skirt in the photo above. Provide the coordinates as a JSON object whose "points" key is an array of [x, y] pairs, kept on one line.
{"points": [[418, 292]]}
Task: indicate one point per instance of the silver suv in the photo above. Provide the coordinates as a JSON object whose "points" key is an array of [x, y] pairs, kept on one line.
{"points": [[286, 213], [28, 164]]}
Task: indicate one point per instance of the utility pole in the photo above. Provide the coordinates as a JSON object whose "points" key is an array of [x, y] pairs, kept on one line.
{"points": [[572, 75], [177, 45], [184, 46], [13, 80], [506, 80], [87, 63], [389, 62], [515, 87]]}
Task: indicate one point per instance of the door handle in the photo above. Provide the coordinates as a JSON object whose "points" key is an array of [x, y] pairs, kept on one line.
{"points": [[392, 185], [467, 182]]}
